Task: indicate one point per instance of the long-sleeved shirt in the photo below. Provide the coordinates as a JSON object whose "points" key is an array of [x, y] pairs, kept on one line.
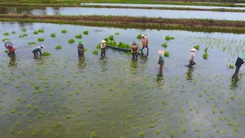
{"points": [[80, 47], [191, 56], [161, 59], [9, 46], [37, 49]]}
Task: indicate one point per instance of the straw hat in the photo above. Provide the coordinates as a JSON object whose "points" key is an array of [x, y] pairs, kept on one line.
{"points": [[103, 41], [160, 52], [193, 50]]}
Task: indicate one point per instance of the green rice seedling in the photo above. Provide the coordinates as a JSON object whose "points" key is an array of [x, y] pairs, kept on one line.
{"points": [[58, 47], [6, 51], [197, 47], [6, 34], [206, 50], [28, 106], [166, 54], [138, 36], [141, 133], [205, 55], [183, 130], [85, 32], [11, 130], [96, 52], [21, 132], [41, 30], [111, 37], [169, 37], [40, 39], [98, 46], [46, 54], [71, 40], [151, 125], [93, 134], [31, 43], [164, 45], [53, 35], [13, 32], [24, 29], [172, 134], [89, 109], [157, 132], [34, 133], [35, 32], [231, 66], [79, 36], [63, 31], [214, 124]]}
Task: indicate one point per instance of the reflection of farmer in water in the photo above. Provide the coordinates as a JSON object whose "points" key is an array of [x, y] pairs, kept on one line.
{"points": [[160, 78], [81, 63], [189, 73], [12, 61]]}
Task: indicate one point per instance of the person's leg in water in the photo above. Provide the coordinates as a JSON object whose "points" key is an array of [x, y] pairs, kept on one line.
{"points": [[161, 67]]}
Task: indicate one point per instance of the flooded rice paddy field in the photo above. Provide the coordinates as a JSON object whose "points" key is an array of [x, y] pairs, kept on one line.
{"points": [[64, 96]]}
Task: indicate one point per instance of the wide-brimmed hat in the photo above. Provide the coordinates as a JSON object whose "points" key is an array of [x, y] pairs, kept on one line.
{"points": [[160, 52], [103, 41], [134, 42], [80, 42], [142, 35], [193, 50]]}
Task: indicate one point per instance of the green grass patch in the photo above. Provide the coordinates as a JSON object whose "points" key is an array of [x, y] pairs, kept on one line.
{"points": [[164, 45], [45, 54], [71, 41], [41, 30], [40, 39], [31, 43], [169, 37], [35, 32], [166, 53], [58, 47], [6, 34], [197, 47], [85, 32], [53, 35], [24, 29], [95, 52], [205, 55], [63, 31], [79, 36]]}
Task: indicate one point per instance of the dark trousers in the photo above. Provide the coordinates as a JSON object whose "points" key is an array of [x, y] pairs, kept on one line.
{"points": [[134, 55], [81, 53], [102, 52], [11, 53]]}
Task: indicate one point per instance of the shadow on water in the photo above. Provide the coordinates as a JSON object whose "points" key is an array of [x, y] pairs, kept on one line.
{"points": [[189, 73], [160, 78], [234, 79], [103, 64], [81, 63]]}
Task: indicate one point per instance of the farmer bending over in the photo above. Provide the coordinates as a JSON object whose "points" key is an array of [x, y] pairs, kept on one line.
{"points": [[37, 50]]}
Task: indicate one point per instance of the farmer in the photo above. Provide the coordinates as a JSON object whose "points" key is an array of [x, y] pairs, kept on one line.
{"points": [[37, 50], [102, 48], [161, 61], [238, 64], [192, 56], [10, 48], [80, 49], [144, 43], [134, 50]]}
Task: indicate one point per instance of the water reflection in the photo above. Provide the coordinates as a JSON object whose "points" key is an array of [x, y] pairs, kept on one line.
{"points": [[160, 78], [81, 63], [234, 80], [189, 73], [134, 64], [12, 61], [103, 64]]}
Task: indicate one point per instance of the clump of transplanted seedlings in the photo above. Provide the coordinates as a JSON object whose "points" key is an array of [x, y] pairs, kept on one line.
{"points": [[64, 31], [24, 29], [96, 52], [141, 133], [35, 32], [85, 32], [31, 43], [58, 47], [79, 36], [53, 35], [6, 34], [71, 40], [164, 45], [40, 39], [41, 30], [166, 54], [169, 37]]}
